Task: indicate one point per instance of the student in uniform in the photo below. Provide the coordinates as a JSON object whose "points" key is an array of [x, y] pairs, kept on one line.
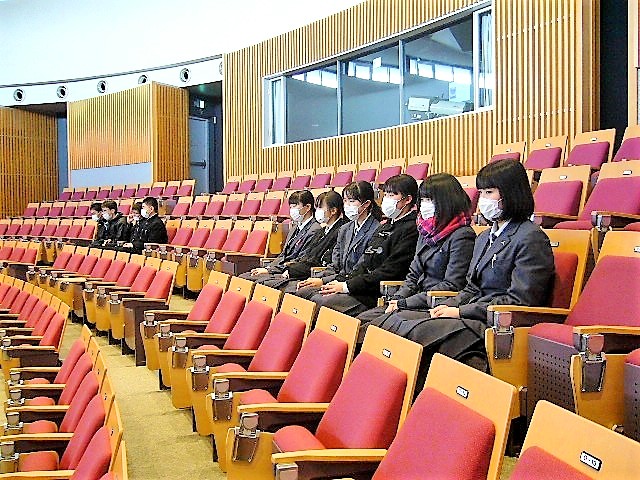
{"points": [[134, 222], [387, 256], [444, 249], [96, 215], [115, 227], [352, 240], [512, 264], [152, 228], [330, 215], [302, 229]]}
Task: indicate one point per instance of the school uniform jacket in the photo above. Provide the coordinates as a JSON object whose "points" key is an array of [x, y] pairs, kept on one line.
{"points": [[442, 266], [516, 269], [387, 257], [295, 245], [349, 249], [152, 230]]}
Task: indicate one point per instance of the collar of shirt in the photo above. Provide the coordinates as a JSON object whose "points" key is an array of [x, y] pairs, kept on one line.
{"points": [[357, 226], [329, 227], [401, 217], [302, 225], [496, 231]]}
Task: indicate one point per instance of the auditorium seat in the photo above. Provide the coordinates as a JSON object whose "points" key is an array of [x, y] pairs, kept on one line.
{"points": [[116, 192], [390, 168], [91, 194], [78, 194], [302, 179], [143, 190], [30, 210], [367, 171], [418, 166], [182, 207], [129, 191], [66, 194], [265, 182], [181, 237], [247, 183], [82, 209], [314, 377], [251, 205], [38, 227], [200, 313], [157, 188], [630, 147], [322, 177], [198, 206], [276, 352], [468, 184], [255, 247], [186, 188], [271, 204], [232, 206], [233, 243], [282, 181], [171, 190], [370, 405], [104, 193], [561, 444], [232, 185], [196, 261], [561, 194], [506, 341], [592, 148], [180, 254], [56, 209], [546, 153], [344, 175], [69, 210], [512, 151]]}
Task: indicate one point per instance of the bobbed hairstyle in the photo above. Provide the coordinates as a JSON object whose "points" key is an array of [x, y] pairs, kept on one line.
{"points": [[362, 192], [332, 200], [448, 196], [304, 197], [510, 178], [404, 185]]}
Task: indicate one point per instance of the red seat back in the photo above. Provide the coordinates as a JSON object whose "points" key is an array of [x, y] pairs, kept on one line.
{"points": [[160, 287], [181, 208], [170, 190], [87, 232], [280, 345], [5, 252], [90, 195], [544, 158], [197, 209], [317, 371], [100, 268], [70, 361], [629, 150], [30, 256], [558, 197], [55, 211], [231, 208], [16, 254], [300, 182], [230, 187], [103, 194], [505, 156], [13, 229], [235, 240], [115, 193], [19, 302], [125, 209], [49, 230], [74, 263], [65, 196], [620, 195], [37, 229], [142, 192], [387, 172], [214, 208], [53, 334], [91, 421], [250, 207], [372, 390], [25, 229], [535, 464], [42, 211], [284, 209], [321, 180], [250, 328], [115, 269], [442, 437], [79, 371], [10, 297], [182, 237], [206, 303], [199, 237], [128, 193], [185, 190], [269, 207], [62, 260], [61, 230], [128, 275], [3, 228], [29, 306], [419, 171], [216, 239], [42, 323], [367, 175], [246, 186], [74, 231], [281, 183], [143, 279], [256, 242], [226, 314], [156, 191], [592, 154], [86, 391], [36, 313], [77, 196], [263, 185], [68, 211], [29, 211], [86, 267]]}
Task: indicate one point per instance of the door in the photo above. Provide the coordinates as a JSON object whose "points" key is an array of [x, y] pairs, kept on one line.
{"points": [[199, 149]]}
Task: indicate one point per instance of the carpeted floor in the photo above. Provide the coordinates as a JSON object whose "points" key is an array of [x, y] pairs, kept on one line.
{"points": [[160, 442]]}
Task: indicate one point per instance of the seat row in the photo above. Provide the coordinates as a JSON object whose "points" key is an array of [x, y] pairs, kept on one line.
{"points": [[136, 190], [247, 380], [63, 420]]}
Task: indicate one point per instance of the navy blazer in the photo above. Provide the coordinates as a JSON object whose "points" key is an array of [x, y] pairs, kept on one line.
{"points": [[517, 269], [295, 245], [348, 250]]}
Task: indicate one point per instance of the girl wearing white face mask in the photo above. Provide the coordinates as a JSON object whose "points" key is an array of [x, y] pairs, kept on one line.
{"points": [[444, 249], [512, 264]]}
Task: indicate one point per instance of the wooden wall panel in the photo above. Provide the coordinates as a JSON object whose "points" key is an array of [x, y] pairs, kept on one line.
{"points": [[148, 123], [545, 84], [28, 159]]}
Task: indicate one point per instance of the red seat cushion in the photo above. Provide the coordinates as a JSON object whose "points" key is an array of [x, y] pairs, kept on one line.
{"points": [[216, 239], [160, 286], [214, 208], [300, 182], [37, 381], [294, 438], [269, 207], [246, 186], [263, 185], [342, 179], [250, 207], [574, 225], [536, 464], [418, 171], [634, 357], [197, 209], [633, 227], [87, 390], [208, 347], [372, 390], [280, 345], [257, 395], [281, 183], [70, 361], [128, 275], [592, 154], [143, 279], [317, 371], [80, 370], [40, 426], [505, 156], [388, 172], [230, 187], [367, 175], [440, 436], [92, 419], [321, 180], [180, 209], [40, 401], [235, 240], [230, 368], [558, 197], [183, 235], [38, 461], [543, 158], [232, 207], [629, 150]]}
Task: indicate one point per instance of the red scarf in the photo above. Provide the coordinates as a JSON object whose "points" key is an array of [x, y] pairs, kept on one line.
{"points": [[427, 227]]}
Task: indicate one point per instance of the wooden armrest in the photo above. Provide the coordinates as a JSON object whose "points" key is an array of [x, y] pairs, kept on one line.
{"points": [[186, 323], [36, 369], [605, 329], [391, 283], [207, 336], [17, 331], [25, 338], [27, 350], [74, 279], [142, 302], [228, 353], [284, 407], [627, 216], [43, 387], [169, 315], [240, 255], [37, 437], [39, 409], [127, 294], [331, 455], [559, 216], [525, 309], [252, 375], [441, 293], [41, 475]]}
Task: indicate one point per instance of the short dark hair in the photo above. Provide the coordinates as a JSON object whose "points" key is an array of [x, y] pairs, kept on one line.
{"points": [[404, 185], [96, 206], [448, 196], [304, 197], [110, 204], [510, 178], [362, 192], [151, 202], [332, 200], [136, 207]]}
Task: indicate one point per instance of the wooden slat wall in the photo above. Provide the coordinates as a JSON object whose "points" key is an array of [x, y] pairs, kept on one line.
{"points": [[28, 159], [545, 78], [148, 123], [170, 149]]}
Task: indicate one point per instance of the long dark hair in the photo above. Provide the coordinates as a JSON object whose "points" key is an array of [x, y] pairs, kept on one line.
{"points": [[332, 200], [363, 191], [447, 194], [510, 178]]}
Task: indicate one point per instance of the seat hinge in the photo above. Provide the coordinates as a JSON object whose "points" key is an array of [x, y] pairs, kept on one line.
{"points": [[246, 437], [593, 360], [503, 335]]}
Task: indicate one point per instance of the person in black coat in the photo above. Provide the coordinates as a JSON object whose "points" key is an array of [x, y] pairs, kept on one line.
{"points": [[115, 226], [151, 230], [512, 264], [96, 215], [387, 257], [444, 250], [330, 213]]}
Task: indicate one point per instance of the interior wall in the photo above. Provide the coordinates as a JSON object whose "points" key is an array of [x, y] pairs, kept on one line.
{"points": [[28, 160], [546, 84]]}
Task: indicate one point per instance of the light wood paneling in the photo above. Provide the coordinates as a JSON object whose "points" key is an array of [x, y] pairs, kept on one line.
{"points": [[28, 159], [545, 84], [143, 124]]}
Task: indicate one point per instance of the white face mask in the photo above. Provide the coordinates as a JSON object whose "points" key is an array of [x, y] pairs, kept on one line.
{"points": [[390, 207], [352, 212], [320, 215], [95, 217], [490, 208], [294, 213], [144, 213], [136, 218], [427, 209], [106, 216]]}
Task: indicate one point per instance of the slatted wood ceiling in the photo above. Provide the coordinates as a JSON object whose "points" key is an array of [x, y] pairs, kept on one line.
{"points": [[28, 159], [546, 85], [144, 124]]}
